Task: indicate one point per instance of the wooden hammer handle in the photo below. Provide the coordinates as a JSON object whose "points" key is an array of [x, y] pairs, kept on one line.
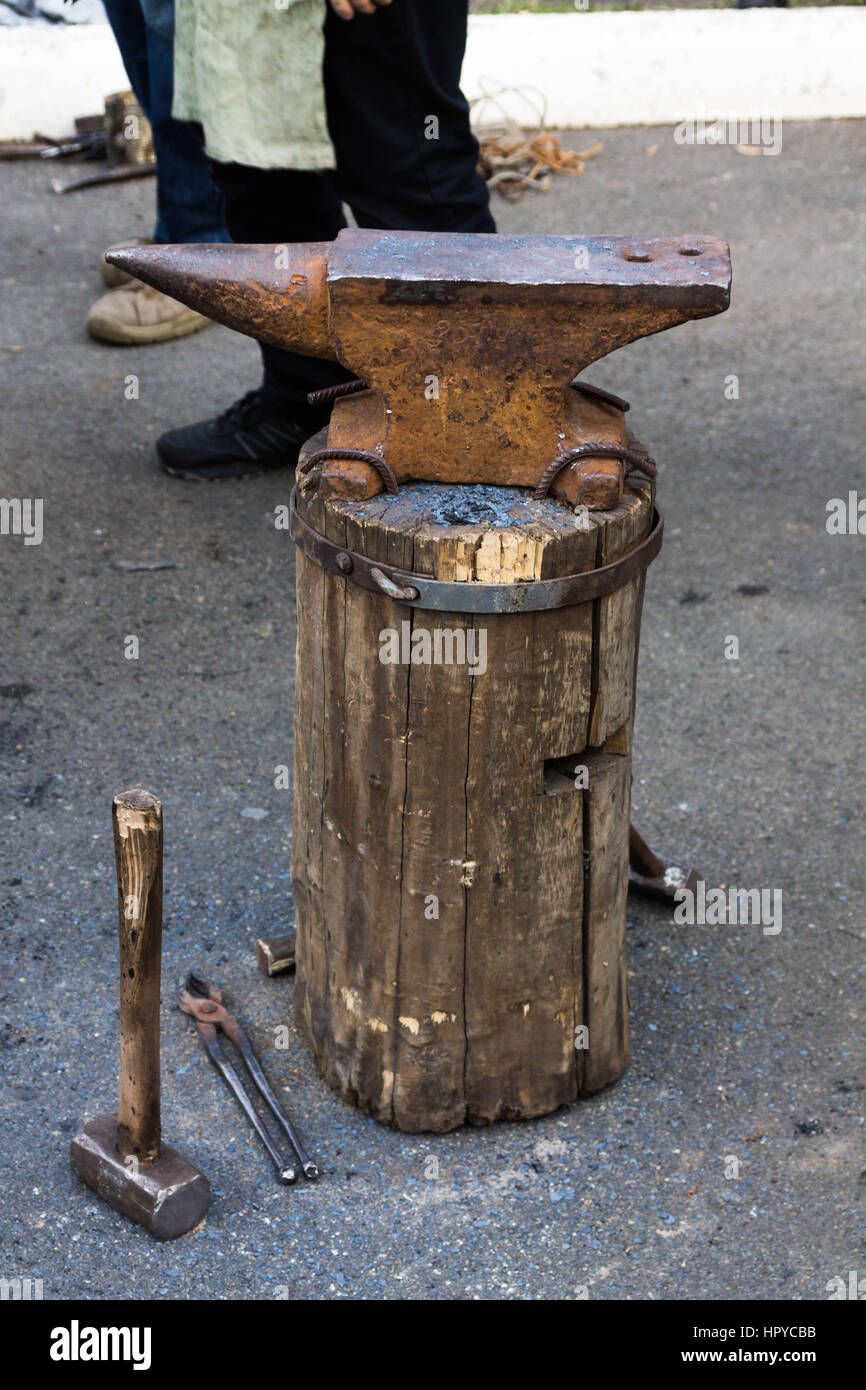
{"points": [[137, 818]]}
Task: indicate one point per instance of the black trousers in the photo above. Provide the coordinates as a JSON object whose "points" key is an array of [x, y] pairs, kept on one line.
{"points": [[406, 158]]}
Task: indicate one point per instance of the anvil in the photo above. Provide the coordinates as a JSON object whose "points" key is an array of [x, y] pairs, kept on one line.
{"points": [[466, 346]]}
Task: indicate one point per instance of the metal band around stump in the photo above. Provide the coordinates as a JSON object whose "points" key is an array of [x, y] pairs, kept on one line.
{"points": [[467, 596]]}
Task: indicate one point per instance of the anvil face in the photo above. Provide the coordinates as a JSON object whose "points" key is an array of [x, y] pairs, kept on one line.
{"points": [[468, 343]]}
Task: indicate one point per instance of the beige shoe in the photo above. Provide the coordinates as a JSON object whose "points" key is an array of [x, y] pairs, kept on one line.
{"points": [[112, 275], [136, 313]]}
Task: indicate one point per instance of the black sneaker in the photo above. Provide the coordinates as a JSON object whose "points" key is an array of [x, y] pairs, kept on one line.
{"points": [[248, 438]]}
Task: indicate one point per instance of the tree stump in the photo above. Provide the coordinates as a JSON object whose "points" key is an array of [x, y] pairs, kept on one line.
{"points": [[460, 850]]}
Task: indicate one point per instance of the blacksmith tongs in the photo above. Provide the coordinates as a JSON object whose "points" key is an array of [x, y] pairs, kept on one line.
{"points": [[204, 1003]]}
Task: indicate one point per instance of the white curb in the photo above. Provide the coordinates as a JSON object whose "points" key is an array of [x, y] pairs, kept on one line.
{"points": [[659, 67], [644, 67]]}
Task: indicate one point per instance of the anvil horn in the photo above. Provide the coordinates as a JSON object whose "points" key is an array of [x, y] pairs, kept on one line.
{"points": [[277, 294]]}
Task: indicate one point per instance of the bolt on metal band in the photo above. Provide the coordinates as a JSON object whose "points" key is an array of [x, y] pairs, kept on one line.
{"points": [[467, 596]]}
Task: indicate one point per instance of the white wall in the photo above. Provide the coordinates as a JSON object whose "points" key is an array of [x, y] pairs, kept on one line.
{"points": [[51, 74], [658, 67], [651, 67]]}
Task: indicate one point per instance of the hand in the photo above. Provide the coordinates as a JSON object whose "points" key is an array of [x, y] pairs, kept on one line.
{"points": [[345, 9]]}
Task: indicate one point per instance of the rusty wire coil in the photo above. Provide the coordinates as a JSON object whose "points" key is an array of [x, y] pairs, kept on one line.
{"points": [[384, 469], [641, 462]]}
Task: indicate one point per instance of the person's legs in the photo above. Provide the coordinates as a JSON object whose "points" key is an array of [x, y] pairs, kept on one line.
{"points": [[387, 77], [406, 155], [127, 25], [189, 206], [266, 427], [285, 205], [406, 159]]}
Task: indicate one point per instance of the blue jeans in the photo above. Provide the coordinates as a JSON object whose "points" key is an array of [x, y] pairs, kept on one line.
{"points": [[189, 206]]}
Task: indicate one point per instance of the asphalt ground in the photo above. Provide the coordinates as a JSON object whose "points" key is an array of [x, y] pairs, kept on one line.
{"points": [[748, 1053]]}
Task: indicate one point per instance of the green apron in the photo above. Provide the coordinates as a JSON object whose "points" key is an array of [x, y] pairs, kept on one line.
{"points": [[251, 74]]}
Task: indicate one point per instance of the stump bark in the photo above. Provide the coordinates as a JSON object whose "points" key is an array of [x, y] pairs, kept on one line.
{"points": [[460, 850]]}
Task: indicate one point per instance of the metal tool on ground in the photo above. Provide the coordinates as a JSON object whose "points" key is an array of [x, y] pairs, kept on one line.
{"points": [[466, 345], [89, 145], [121, 172], [88, 142], [203, 1002], [655, 876], [275, 954], [122, 1157]]}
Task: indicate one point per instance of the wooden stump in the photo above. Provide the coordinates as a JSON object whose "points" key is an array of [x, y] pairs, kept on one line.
{"points": [[460, 883]]}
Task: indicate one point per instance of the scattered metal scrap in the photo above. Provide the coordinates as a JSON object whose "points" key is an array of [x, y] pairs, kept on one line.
{"points": [[513, 158], [88, 142], [133, 566], [122, 171], [122, 136]]}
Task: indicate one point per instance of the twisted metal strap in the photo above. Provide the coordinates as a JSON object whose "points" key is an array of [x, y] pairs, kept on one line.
{"points": [[328, 394], [384, 469], [617, 451], [460, 596]]}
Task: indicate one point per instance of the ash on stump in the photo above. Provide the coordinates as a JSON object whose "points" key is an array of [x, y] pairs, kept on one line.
{"points": [[460, 853]]}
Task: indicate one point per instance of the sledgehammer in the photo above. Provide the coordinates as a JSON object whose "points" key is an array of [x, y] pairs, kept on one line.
{"points": [[121, 1156]]}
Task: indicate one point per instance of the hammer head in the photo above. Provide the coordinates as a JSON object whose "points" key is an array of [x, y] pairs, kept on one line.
{"points": [[167, 1197]]}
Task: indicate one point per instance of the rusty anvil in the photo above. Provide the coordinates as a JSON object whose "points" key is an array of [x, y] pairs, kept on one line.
{"points": [[466, 345]]}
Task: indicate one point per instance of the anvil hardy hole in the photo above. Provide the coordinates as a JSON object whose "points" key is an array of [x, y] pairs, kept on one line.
{"points": [[638, 256], [691, 251]]}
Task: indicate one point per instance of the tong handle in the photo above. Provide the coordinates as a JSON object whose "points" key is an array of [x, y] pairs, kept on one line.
{"points": [[286, 1172], [239, 1038]]}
